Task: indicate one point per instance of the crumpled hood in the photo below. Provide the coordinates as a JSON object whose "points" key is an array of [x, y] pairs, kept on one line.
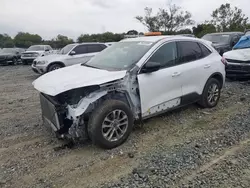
{"points": [[241, 54], [76, 76], [51, 57]]}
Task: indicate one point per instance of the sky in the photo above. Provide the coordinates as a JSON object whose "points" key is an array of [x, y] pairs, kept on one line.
{"points": [[48, 18]]}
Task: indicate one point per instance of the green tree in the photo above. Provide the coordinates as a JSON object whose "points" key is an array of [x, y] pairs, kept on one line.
{"points": [[170, 20], [104, 37], [226, 18], [5, 40], [151, 22], [173, 18], [202, 29], [25, 40]]}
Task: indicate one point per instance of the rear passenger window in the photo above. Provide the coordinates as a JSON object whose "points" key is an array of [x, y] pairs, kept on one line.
{"points": [[189, 51], [95, 48], [165, 55], [206, 52]]}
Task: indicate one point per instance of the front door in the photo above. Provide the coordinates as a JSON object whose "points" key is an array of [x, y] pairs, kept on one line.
{"points": [[80, 56], [161, 90]]}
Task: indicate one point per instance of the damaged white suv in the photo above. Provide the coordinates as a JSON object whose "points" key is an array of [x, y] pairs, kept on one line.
{"points": [[132, 80]]}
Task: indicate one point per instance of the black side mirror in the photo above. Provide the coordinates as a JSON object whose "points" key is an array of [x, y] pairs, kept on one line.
{"points": [[151, 67], [72, 53], [46, 50]]}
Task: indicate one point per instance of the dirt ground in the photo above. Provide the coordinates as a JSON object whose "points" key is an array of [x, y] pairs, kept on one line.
{"points": [[31, 156]]}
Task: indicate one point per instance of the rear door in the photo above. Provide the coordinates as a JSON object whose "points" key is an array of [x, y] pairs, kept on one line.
{"points": [[161, 90], [196, 67]]}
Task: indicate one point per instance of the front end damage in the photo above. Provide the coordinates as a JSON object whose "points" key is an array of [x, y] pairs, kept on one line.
{"points": [[68, 112]]}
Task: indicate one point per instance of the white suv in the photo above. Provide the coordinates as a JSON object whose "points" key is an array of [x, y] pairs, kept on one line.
{"points": [[134, 79], [70, 55]]}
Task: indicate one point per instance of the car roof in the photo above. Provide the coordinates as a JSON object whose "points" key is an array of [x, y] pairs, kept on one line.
{"points": [[225, 33], [158, 38], [89, 43]]}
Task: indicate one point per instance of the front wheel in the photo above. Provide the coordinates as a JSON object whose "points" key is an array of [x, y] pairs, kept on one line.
{"points": [[111, 124], [54, 67], [211, 94]]}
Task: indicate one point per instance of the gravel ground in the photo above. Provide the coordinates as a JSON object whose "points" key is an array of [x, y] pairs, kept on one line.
{"points": [[189, 147]]}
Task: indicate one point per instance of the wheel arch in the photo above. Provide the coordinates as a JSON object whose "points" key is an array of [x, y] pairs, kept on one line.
{"points": [[53, 63], [219, 77]]}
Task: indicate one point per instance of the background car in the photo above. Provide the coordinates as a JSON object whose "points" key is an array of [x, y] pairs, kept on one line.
{"points": [[70, 55], [10, 56], [35, 51], [223, 42]]}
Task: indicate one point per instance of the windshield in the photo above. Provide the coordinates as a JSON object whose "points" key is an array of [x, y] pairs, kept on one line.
{"points": [[66, 49], [217, 38], [120, 56], [36, 48], [8, 50]]}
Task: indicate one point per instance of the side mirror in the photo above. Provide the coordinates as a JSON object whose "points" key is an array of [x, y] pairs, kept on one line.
{"points": [[151, 67], [46, 50], [72, 53]]}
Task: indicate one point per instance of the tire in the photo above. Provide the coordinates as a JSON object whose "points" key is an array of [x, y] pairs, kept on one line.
{"points": [[54, 67], [122, 124], [14, 61], [212, 88]]}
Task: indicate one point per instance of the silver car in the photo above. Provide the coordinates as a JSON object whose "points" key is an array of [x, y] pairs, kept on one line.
{"points": [[70, 55]]}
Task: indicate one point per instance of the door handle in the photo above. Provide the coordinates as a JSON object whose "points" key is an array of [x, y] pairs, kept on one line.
{"points": [[207, 66], [176, 74]]}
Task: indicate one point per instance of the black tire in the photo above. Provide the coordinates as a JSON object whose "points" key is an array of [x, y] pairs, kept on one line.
{"points": [[14, 61], [95, 129], [204, 101], [54, 66]]}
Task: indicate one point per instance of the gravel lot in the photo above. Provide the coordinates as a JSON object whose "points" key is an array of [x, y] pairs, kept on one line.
{"points": [[190, 147]]}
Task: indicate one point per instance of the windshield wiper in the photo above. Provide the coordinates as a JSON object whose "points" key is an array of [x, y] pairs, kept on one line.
{"points": [[89, 66]]}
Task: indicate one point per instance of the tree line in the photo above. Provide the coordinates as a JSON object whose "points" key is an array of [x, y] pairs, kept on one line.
{"points": [[170, 20]]}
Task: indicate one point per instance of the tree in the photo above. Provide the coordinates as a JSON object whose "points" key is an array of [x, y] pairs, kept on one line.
{"points": [[151, 22], [169, 20], [104, 37], [25, 40], [174, 18], [6, 41], [226, 18], [202, 29], [132, 32]]}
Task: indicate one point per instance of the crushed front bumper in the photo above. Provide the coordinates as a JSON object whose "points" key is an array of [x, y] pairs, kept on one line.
{"points": [[237, 70]]}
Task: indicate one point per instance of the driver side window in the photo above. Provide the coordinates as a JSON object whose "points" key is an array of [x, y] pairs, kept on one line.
{"points": [[166, 55]]}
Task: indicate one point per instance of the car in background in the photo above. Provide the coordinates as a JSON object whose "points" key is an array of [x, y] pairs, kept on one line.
{"points": [[187, 35], [70, 55], [238, 60], [223, 42], [10, 56], [134, 79], [247, 32], [35, 51]]}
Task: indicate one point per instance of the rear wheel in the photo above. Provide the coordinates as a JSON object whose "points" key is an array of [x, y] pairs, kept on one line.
{"points": [[111, 124], [211, 94], [54, 67], [14, 61]]}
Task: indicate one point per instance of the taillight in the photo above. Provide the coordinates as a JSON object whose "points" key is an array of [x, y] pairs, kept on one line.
{"points": [[224, 61]]}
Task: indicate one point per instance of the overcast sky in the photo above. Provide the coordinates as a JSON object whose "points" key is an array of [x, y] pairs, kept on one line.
{"points": [[74, 17]]}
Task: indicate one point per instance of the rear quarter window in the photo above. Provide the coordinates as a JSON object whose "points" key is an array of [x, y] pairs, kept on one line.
{"points": [[205, 51]]}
